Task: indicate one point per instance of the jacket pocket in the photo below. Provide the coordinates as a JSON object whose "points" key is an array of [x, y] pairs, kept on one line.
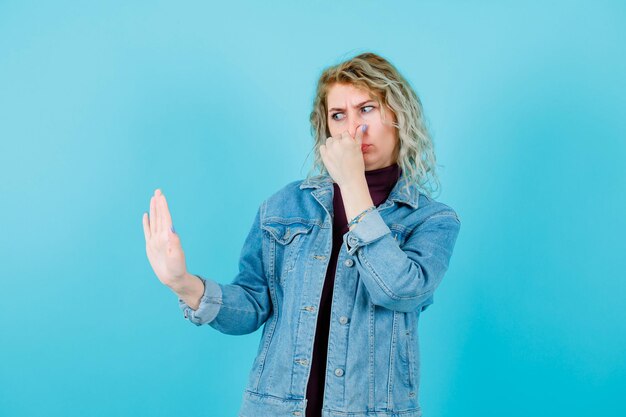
{"points": [[406, 353], [254, 378], [286, 241]]}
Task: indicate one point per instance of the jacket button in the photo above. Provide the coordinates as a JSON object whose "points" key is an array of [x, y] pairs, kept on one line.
{"points": [[352, 240], [348, 262], [343, 319], [339, 372]]}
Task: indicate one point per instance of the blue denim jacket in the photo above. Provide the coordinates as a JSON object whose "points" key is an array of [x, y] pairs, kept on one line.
{"points": [[388, 268]]}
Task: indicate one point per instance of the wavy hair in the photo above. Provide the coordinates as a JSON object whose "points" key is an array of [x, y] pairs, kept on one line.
{"points": [[377, 76]]}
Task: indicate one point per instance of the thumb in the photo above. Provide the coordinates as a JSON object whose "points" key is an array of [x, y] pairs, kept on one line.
{"points": [[172, 235], [358, 137], [173, 242]]}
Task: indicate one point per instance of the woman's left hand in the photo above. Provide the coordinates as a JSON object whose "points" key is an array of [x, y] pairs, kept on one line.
{"points": [[343, 157]]}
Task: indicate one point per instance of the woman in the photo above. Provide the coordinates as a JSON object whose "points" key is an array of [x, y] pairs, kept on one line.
{"points": [[338, 266]]}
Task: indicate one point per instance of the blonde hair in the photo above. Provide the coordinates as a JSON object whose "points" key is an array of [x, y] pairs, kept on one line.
{"points": [[392, 91]]}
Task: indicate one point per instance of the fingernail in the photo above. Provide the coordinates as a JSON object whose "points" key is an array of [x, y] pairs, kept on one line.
{"points": [[364, 128]]}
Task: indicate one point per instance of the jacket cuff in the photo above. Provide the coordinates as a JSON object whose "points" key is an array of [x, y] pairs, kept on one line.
{"points": [[371, 228], [210, 304]]}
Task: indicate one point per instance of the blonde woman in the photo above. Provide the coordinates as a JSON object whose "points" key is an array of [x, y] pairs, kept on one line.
{"points": [[337, 267]]}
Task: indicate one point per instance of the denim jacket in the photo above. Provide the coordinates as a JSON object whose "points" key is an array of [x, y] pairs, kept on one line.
{"points": [[388, 268]]}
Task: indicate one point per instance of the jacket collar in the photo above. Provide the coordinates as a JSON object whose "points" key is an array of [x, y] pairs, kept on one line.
{"points": [[398, 192]]}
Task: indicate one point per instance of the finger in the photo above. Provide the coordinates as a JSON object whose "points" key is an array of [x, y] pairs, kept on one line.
{"points": [[157, 219], [153, 225], [358, 137], [345, 135], [167, 217], [146, 226], [161, 212]]}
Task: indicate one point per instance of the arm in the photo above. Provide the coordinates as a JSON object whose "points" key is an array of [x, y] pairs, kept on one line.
{"points": [[242, 306], [402, 279], [398, 279], [190, 290]]}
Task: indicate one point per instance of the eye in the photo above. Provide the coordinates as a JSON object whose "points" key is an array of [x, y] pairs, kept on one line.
{"points": [[362, 108]]}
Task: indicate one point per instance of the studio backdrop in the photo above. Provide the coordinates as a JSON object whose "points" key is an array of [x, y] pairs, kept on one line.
{"points": [[101, 103]]}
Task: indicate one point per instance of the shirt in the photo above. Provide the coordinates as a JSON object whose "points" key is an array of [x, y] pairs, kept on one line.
{"points": [[379, 182]]}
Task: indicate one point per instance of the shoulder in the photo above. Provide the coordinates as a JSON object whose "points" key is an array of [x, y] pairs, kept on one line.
{"points": [[429, 208], [294, 201], [290, 191]]}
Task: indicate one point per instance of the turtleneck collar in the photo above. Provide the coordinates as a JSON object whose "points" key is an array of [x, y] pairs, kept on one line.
{"points": [[380, 182], [383, 179]]}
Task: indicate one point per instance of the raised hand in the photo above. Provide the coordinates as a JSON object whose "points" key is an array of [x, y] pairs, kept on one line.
{"points": [[343, 157], [163, 246]]}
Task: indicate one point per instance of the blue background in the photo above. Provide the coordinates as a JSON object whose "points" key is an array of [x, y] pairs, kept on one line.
{"points": [[101, 103]]}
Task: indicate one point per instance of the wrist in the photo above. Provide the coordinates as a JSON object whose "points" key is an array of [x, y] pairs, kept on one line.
{"points": [[358, 217], [353, 183], [356, 198], [182, 285]]}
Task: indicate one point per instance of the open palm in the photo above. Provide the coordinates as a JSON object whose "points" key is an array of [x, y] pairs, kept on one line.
{"points": [[163, 246]]}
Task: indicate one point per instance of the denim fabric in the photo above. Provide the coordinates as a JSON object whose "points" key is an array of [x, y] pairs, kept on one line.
{"points": [[388, 269]]}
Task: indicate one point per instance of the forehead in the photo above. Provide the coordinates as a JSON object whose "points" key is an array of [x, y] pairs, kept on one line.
{"points": [[341, 93]]}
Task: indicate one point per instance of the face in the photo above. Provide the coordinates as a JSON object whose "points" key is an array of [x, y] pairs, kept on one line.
{"points": [[350, 107]]}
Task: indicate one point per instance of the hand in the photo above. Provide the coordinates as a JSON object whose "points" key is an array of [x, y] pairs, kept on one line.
{"points": [[163, 247], [343, 157]]}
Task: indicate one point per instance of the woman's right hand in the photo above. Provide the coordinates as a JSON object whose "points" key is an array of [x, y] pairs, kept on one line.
{"points": [[163, 246]]}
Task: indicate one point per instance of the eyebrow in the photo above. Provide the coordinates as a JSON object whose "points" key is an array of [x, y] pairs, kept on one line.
{"points": [[358, 105]]}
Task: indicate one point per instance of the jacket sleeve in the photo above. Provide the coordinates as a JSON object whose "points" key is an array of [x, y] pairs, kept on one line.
{"points": [[242, 306], [403, 279]]}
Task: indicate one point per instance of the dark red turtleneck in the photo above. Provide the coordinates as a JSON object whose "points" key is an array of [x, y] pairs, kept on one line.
{"points": [[380, 183]]}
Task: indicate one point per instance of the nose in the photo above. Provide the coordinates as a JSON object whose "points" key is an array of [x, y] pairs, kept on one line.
{"points": [[355, 123]]}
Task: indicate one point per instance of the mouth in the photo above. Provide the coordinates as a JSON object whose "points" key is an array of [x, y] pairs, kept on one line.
{"points": [[364, 147]]}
